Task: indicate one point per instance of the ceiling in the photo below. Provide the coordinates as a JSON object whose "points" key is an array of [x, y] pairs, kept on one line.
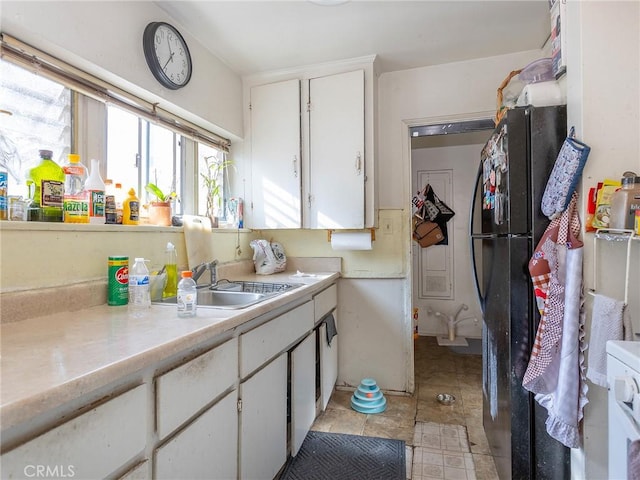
{"points": [[258, 36]]}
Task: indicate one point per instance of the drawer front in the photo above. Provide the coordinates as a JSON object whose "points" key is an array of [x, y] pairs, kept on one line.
{"points": [[263, 343], [325, 301], [185, 390], [92, 445]]}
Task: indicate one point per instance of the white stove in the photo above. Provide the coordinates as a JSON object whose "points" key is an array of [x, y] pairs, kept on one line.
{"points": [[623, 373]]}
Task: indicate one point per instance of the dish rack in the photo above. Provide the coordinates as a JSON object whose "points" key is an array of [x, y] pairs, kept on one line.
{"points": [[253, 287]]}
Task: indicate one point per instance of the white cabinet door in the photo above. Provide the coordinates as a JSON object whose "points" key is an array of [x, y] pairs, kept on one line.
{"points": [[336, 151], [263, 421], [275, 156], [207, 448], [303, 390]]}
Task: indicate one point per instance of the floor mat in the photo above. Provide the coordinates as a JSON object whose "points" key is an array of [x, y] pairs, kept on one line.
{"points": [[336, 456]]}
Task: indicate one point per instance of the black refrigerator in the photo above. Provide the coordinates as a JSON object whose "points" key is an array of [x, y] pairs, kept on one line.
{"points": [[506, 223]]}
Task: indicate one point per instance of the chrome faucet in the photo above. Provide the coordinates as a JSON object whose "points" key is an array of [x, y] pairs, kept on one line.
{"points": [[198, 270]]}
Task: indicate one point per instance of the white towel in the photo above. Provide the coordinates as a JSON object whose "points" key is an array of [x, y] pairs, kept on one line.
{"points": [[606, 324]]}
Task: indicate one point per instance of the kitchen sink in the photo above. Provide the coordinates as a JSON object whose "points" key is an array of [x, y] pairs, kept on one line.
{"points": [[235, 295]]}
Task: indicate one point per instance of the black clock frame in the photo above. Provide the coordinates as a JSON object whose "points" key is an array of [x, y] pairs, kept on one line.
{"points": [[148, 40]]}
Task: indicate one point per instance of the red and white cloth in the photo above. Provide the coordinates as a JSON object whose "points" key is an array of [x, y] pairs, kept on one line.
{"points": [[556, 367]]}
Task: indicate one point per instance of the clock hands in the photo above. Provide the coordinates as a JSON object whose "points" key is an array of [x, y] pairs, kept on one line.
{"points": [[170, 55]]}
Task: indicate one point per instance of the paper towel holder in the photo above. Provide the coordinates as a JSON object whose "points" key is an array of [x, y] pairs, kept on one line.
{"points": [[371, 230]]}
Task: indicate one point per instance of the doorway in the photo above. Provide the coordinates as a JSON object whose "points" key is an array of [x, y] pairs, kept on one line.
{"points": [[443, 294]]}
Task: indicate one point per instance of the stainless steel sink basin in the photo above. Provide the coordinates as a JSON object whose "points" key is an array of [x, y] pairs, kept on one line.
{"points": [[235, 295]]}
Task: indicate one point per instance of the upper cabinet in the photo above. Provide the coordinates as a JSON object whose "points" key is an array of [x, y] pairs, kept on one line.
{"points": [[336, 151], [311, 148], [275, 155]]}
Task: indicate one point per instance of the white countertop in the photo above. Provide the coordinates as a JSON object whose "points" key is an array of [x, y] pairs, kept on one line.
{"points": [[47, 361]]}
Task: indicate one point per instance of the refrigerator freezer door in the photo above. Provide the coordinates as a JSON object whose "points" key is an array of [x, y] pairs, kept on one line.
{"points": [[514, 168]]}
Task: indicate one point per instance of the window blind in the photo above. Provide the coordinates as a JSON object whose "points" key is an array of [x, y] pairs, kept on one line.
{"points": [[41, 63]]}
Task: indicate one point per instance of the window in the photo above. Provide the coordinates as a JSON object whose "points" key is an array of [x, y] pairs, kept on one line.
{"points": [[57, 107], [36, 115], [139, 152]]}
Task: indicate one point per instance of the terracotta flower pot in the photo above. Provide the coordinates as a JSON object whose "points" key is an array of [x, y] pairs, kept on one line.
{"points": [[160, 214]]}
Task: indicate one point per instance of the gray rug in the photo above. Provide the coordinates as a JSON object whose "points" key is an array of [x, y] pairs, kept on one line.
{"points": [[335, 456]]}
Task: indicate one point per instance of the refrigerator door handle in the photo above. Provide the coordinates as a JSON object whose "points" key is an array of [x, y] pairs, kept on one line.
{"points": [[473, 235]]}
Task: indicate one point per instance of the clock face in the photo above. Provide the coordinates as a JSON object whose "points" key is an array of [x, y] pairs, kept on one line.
{"points": [[167, 55]]}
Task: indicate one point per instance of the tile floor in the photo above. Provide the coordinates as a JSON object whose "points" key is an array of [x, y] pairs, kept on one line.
{"points": [[445, 442]]}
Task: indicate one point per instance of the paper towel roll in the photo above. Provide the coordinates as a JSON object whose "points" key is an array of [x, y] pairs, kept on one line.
{"points": [[351, 241]]}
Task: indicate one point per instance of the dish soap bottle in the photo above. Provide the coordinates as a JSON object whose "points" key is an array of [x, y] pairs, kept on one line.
{"points": [[96, 194], [131, 209], [187, 296], [76, 204], [47, 180], [624, 203], [171, 267]]}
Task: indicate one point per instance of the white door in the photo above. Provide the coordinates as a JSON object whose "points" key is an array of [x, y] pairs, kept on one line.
{"points": [[435, 263], [208, 448], [275, 156], [303, 390], [336, 151], [263, 421]]}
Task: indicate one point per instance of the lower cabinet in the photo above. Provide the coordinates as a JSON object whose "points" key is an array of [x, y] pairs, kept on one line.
{"points": [[263, 421], [92, 445], [328, 363], [303, 390], [207, 448]]}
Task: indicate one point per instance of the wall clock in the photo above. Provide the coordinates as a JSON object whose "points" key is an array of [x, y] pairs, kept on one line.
{"points": [[167, 55]]}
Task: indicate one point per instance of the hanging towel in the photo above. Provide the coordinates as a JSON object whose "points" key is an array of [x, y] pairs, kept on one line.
{"points": [[330, 322], [633, 461], [606, 324]]}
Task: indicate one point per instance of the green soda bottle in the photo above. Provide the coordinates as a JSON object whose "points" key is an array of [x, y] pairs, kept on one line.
{"points": [[48, 191]]}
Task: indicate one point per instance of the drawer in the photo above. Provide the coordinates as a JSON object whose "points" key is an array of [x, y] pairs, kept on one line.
{"points": [[325, 301], [92, 445], [185, 390], [261, 344]]}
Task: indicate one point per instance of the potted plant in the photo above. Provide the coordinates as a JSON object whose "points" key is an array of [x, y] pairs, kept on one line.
{"points": [[160, 209], [212, 179]]}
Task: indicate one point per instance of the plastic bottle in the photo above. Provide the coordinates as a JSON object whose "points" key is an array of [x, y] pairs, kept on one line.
{"points": [[46, 204], [171, 267], [624, 203], [76, 202], [131, 209], [187, 296], [110, 211], [4, 204], [95, 189], [119, 197], [139, 288]]}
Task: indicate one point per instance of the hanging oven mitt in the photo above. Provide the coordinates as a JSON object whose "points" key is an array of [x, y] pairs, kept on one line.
{"points": [[564, 176]]}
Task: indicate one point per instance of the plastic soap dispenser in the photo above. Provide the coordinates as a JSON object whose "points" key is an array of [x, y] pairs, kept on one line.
{"points": [[171, 267], [131, 209]]}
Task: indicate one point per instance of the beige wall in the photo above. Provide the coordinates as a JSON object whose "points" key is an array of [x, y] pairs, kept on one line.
{"points": [[603, 97]]}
